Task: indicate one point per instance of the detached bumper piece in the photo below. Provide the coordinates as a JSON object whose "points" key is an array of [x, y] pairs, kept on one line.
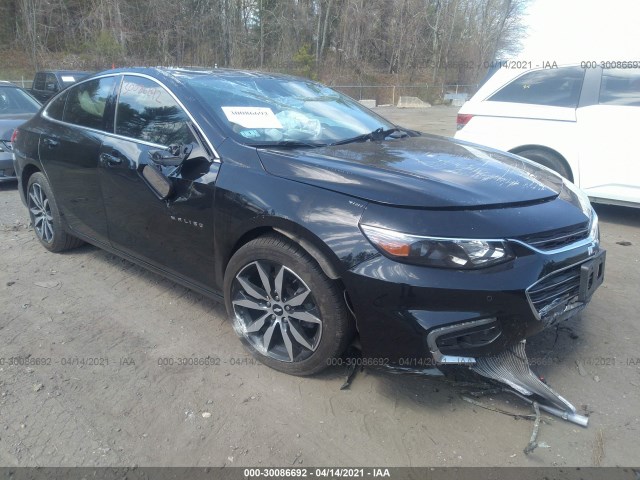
{"points": [[511, 367]]}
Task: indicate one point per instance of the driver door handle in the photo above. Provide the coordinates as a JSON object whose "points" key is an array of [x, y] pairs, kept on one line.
{"points": [[110, 159]]}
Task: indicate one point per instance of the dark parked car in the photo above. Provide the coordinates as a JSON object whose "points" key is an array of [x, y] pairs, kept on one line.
{"points": [[49, 82], [16, 107], [312, 217]]}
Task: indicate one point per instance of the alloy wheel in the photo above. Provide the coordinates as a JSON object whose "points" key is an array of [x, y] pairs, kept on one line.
{"points": [[40, 210], [275, 311]]}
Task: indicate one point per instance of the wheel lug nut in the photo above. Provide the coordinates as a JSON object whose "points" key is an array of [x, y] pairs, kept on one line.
{"points": [[268, 304], [287, 308]]}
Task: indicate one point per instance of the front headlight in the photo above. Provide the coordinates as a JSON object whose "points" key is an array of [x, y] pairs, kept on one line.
{"points": [[438, 252], [587, 209], [594, 232], [583, 199]]}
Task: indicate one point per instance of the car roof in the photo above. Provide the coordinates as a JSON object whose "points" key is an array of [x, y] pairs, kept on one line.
{"points": [[65, 72], [188, 73]]}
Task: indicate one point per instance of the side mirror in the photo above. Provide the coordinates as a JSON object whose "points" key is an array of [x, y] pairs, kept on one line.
{"points": [[160, 184]]}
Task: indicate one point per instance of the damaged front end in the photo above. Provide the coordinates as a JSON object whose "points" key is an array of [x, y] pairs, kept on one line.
{"points": [[437, 321]]}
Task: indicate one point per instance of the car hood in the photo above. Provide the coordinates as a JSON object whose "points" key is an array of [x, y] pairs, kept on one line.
{"points": [[8, 123], [425, 171]]}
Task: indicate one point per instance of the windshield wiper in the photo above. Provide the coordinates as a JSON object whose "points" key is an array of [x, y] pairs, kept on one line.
{"points": [[288, 143], [377, 135]]}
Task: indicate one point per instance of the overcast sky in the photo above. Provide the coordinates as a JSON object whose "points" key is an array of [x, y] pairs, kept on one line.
{"points": [[576, 30]]}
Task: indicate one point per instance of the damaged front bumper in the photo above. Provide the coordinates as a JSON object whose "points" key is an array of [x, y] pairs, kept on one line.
{"points": [[412, 316], [424, 320]]}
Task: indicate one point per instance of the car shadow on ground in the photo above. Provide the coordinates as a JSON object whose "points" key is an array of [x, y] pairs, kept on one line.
{"points": [[6, 186], [628, 216]]}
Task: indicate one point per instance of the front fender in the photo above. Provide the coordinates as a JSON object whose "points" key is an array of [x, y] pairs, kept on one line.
{"points": [[251, 200]]}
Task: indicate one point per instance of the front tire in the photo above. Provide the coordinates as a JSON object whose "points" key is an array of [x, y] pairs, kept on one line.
{"points": [[45, 216], [283, 307]]}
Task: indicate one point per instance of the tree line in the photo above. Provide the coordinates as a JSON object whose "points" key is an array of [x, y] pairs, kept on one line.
{"points": [[412, 40]]}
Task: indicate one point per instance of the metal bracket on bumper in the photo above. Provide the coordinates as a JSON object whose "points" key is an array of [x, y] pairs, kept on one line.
{"points": [[511, 367]]}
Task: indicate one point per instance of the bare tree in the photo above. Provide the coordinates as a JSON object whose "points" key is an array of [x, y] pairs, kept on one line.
{"points": [[435, 40]]}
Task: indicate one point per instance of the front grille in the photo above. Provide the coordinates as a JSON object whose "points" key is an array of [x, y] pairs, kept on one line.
{"points": [[556, 293], [557, 238]]}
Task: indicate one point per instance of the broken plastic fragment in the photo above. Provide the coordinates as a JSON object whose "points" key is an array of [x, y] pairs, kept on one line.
{"points": [[511, 367]]}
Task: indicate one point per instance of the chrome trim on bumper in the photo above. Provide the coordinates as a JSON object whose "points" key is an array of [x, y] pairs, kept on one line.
{"points": [[438, 356]]}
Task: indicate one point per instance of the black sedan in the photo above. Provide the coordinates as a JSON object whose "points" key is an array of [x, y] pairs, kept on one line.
{"points": [[16, 107], [312, 217]]}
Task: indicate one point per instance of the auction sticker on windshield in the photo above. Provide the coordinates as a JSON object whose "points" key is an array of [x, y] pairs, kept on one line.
{"points": [[252, 117]]}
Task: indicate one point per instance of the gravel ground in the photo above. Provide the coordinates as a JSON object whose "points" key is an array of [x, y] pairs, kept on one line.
{"points": [[99, 380]]}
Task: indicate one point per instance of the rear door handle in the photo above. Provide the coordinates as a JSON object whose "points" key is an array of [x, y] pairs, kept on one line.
{"points": [[110, 159], [50, 142]]}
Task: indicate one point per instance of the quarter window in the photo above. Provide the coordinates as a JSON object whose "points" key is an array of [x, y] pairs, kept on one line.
{"points": [[147, 112], [557, 87], [55, 109], [87, 101], [620, 87]]}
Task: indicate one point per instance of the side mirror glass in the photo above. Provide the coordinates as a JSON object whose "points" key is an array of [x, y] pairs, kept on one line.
{"points": [[160, 185]]}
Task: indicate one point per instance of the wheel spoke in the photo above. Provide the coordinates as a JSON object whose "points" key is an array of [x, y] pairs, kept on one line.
{"points": [[48, 231], [252, 290], [264, 278], [305, 317], [248, 303], [258, 324], [299, 337], [38, 220], [278, 282], [266, 340], [287, 341], [35, 200], [298, 299], [35, 211], [38, 191]]}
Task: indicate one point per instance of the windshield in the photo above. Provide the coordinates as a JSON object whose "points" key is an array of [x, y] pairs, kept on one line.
{"points": [[273, 111], [14, 100]]}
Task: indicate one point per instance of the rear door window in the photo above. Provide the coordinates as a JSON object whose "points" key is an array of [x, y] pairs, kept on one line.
{"points": [[87, 101], [620, 87], [147, 112], [557, 87]]}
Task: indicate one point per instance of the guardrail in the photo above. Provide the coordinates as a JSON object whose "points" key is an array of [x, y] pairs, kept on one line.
{"points": [[24, 83]]}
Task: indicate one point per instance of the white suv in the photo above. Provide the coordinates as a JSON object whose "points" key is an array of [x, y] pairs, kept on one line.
{"points": [[584, 123]]}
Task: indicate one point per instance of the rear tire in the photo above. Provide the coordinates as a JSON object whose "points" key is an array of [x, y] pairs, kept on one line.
{"points": [[549, 160], [286, 311], [45, 216]]}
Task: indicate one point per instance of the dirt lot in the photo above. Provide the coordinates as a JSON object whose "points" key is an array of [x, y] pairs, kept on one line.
{"points": [[123, 407]]}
